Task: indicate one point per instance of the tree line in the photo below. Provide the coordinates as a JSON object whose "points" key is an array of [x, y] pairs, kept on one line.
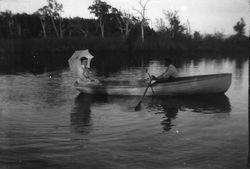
{"points": [[47, 21]]}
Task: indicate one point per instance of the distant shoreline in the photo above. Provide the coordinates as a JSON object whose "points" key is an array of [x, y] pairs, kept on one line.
{"points": [[117, 44]]}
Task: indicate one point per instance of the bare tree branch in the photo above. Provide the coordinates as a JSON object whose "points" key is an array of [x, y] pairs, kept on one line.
{"points": [[142, 14], [138, 11]]}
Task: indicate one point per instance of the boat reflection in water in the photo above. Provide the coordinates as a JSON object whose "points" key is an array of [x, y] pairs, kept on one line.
{"points": [[216, 105], [80, 116], [81, 113]]}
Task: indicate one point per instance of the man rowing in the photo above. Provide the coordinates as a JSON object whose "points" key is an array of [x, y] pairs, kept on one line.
{"points": [[169, 75]]}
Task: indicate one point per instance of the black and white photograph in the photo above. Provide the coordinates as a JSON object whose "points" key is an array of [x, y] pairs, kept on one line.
{"points": [[124, 84]]}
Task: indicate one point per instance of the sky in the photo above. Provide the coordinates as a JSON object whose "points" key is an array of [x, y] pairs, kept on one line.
{"points": [[205, 16]]}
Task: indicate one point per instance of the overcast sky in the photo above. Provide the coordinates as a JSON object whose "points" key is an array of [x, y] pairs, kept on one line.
{"points": [[206, 16]]}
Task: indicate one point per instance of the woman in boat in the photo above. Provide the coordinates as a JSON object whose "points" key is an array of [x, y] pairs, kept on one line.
{"points": [[170, 74], [86, 75]]}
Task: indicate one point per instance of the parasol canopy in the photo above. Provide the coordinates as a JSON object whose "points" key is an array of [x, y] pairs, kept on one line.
{"points": [[75, 60]]}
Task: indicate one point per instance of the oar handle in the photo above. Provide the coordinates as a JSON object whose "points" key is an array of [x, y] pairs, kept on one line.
{"points": [[148, 73], [150, 82]]}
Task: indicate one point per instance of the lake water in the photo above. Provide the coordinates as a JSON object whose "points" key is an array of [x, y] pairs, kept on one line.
{"points": [[45, 123]]}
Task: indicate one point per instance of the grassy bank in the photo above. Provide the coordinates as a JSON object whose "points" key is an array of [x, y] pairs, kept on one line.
{"points": [[60, 45], [116, 44]]}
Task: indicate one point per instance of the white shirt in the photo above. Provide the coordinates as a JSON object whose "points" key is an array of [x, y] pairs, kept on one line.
{"points": [[170, 71], [85, 75]]}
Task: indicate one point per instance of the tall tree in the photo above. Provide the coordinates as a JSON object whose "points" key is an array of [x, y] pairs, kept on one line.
{"points": [[7, 23], [127, 21], [176, 29], [101, 10], [115, 17], [54, 10], [219, 35], [160, 25], [64, 24], [43, 14], [240, 27], [142, 13], [197, 36], [188, 29], [78, 25]]}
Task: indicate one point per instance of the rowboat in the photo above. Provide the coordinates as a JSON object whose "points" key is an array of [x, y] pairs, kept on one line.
{"points": [[188, 85]]}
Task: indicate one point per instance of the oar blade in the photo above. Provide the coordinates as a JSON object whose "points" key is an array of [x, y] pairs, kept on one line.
{"points": [[138, 106]]}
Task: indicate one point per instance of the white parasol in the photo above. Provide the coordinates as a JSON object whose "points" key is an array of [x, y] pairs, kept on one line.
{"points": [[75, 60]]}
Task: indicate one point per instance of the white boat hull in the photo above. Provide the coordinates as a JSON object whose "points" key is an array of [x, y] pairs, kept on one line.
{"points": [[192, 85]]}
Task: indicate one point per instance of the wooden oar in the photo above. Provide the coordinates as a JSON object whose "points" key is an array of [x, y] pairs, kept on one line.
{"points": [[137, 107], [150, 77]]}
